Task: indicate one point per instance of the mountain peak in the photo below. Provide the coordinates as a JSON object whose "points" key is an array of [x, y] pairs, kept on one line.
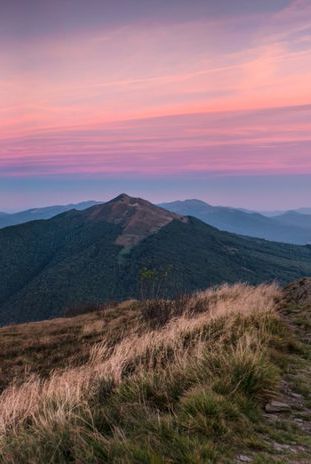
{"points": [[138, 218], [190, 207], [121, 197]]}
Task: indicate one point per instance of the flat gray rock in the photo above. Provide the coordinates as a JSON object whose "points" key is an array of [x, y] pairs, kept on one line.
{"points": [[277, 406]]}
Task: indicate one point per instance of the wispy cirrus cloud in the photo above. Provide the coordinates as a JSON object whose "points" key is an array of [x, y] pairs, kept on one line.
{"points": [[221, 92], [254, 141]]}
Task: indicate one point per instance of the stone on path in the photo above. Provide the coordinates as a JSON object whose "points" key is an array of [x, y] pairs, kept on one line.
{"points": [[277, 406]]}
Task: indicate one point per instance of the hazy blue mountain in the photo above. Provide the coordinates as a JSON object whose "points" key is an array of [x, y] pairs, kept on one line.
{"points": [[242, 222], [303, 210], [271, 213], [40, 213], [295, 218], [281, 212], [98, 254]]}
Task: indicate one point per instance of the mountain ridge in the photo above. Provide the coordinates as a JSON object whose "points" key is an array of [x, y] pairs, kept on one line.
{"points": [[294, 217], [293, 226], [77, 258], [246, 222], [47, 212], [137, 217]]}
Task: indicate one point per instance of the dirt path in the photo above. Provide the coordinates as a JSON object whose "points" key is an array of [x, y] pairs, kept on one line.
{"points": [[286, 429]]}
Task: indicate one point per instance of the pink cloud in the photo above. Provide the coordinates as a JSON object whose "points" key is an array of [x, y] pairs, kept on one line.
{"points": [[276, 140], [128, 100]]}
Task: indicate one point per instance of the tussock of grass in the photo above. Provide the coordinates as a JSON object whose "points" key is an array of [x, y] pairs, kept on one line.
{"points": [[188, 391]]}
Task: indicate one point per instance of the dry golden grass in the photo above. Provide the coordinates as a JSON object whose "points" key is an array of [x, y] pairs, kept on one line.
{"points": [[40, 347], [182, 381], [124, 347]]}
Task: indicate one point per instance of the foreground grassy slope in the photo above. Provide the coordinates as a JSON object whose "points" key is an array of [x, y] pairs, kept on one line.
{"points": [[38, 348], [165, 382]]}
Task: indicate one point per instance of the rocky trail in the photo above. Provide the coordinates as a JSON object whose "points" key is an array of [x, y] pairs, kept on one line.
{"points": [[286, 432]]}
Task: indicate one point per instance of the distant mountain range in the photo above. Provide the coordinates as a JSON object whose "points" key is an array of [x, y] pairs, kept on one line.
{"points": [[303, 210], [294, 218], [115, 250], [290, 227], [34, 214], [279, 213]]}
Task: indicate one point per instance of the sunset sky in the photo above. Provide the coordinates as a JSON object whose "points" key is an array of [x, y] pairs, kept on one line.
{"points": [[164, 99]]}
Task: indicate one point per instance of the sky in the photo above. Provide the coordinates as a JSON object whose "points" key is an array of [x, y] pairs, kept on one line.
{"points": [[163, 99]]}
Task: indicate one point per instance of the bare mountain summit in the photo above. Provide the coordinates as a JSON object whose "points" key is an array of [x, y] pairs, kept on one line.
{"points": [[137, 217]]}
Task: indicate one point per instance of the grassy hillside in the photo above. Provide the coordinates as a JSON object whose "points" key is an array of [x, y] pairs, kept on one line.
{"points": [[220, 377], [98, 255]]}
